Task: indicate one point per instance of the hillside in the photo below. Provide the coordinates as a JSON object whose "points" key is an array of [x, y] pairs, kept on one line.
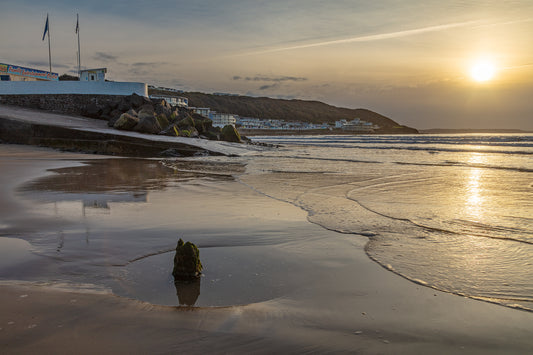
{"points": [[288, 110]]}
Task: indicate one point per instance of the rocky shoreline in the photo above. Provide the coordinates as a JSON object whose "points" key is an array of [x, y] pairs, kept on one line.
{"points": [[89, 135]]}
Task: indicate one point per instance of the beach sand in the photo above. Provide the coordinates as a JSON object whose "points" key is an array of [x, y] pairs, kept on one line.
{"points": [[329, 296]]}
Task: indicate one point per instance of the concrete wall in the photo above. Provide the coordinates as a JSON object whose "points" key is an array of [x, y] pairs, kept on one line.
{"points": [[72, 87]]}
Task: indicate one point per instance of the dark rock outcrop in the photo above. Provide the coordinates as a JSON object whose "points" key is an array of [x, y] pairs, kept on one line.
{"points": [[230, 134], [126, 122], [157, 116], [148, 124], [187, 265]]}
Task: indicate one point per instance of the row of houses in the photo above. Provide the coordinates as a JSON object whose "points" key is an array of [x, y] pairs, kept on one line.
{"points": [[223, 119], [355, 125], [219, 119]]}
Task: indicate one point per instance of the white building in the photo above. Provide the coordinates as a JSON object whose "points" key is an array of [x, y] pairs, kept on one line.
{"points": [[204, 111], [356, 125], [173, 100], [93, 74], [222, 119]]}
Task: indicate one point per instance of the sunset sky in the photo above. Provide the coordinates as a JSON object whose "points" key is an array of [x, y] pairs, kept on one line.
{"points": [[409, 60]]}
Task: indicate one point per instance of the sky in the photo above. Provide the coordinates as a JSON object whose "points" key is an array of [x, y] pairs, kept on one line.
{"points": [[408, 60]]}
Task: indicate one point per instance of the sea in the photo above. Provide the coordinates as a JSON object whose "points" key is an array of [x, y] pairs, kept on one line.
{"points": [[453, 212]]}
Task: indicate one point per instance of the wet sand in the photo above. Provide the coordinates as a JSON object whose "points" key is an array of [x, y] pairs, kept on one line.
{"points": [[337, 299]]}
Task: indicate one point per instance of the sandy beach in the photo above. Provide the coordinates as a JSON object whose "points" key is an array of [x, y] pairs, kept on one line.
{"points": [[283, 284]]}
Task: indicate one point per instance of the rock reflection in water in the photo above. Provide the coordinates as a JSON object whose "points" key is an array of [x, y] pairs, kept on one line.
{"points": [[188, 291], [99, 182]]}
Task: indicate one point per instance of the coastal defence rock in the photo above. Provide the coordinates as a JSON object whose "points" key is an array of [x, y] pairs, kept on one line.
{"points": [[230, 134], [148, 124], [187, 265], [126, 122], [157, 116]]}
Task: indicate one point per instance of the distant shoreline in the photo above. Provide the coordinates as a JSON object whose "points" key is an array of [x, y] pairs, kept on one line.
{"points": [[324, 132], [471, 130], [317, 132]]}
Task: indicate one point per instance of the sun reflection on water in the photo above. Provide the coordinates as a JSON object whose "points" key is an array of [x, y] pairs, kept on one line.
{"points": [[473, 192]]}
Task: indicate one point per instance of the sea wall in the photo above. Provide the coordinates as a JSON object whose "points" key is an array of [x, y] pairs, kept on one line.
{"points": [[73, 87], [65, 103], [97, 142]]}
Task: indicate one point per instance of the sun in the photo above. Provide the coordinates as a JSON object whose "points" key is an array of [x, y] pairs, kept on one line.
{"points": [[483, 70]]}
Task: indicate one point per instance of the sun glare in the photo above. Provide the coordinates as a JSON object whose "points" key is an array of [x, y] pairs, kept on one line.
{"points": [[483, 70]]}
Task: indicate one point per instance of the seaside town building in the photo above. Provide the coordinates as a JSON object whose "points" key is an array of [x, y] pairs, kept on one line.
{"points": [[93, 74], [153, 87], [9, 72], [219, 119], [222, 119], [173, 100], [204, 111], [356, 125]]}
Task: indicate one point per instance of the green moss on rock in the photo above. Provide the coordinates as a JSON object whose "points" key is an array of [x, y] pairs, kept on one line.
{"points": [[230, 134], [187, 265]]}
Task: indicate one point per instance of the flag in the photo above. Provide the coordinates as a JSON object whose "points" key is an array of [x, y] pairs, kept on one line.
{"points": [[45, 27], [77, 24]]}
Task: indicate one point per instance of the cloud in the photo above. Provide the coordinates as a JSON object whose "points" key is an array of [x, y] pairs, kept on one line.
{"points": [[266, 87], [43, 63], [278, 79], [376, 37], [105, 57], [143, 64]]}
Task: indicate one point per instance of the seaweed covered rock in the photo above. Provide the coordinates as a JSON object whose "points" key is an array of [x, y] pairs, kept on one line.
{"points": [[230, 134], [148, 124], [126, 122], [187, 265]]}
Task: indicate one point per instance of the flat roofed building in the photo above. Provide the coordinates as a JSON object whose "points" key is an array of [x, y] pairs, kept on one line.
{"points": [[93, 74], [173, 100], [204, 111], [9, 72], [222, 119]]}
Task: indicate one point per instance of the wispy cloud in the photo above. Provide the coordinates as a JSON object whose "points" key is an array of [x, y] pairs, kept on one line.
{"points": [[266, 87], [45, 64], [105, 57], [369, 38], [276, 79]]}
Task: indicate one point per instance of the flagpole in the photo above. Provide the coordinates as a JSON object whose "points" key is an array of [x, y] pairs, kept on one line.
{"points": [[49, 50], [79, 54]]}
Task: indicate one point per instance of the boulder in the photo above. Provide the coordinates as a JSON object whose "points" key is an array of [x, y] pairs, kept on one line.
{"points": [[147, 124], [92, 110], [124, 104], [145, 113], [172, 131], [138, 101], [187, 265], [163, 108], [146, 107], [132, 112], [126, 122], [115, 115], [106, 111], [193, 133], [186, 122], [213, 133], [162, 120], [230, 134], [174, 115]]}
